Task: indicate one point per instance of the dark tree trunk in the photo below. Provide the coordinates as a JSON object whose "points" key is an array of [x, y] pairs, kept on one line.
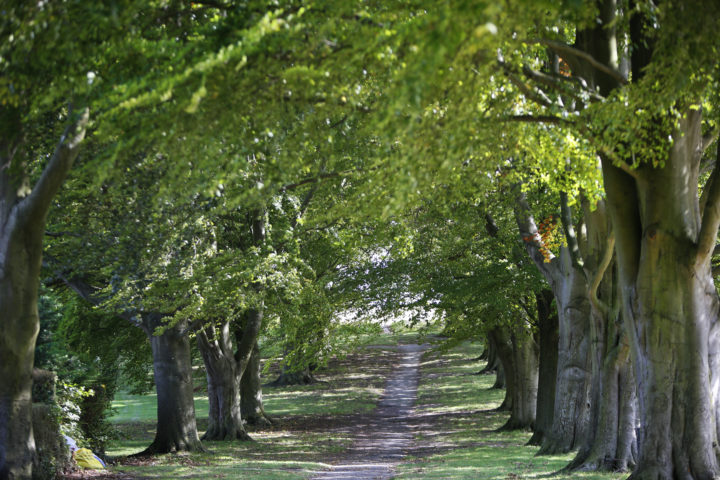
{"points": [[22, 227], [518, 353], [251, 397], [500, 381], [548, 340], [176, 428], [492, 361]]}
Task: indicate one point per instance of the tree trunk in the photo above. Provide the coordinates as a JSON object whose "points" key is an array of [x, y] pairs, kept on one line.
{"points": [[501, 339], [492, 361], [20, 325], [548, 340], [500, 380], [569, 286], [611, 444], [22, 227], [518, 353], [176, 428], [251, 397], [572, 388], [666, 234], [224, 414], [288, 376]]}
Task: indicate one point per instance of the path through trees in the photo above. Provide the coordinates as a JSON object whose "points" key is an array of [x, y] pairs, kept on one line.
{"points": [[382, 440]]}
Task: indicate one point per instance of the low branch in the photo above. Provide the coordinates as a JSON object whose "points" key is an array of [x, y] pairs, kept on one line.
{"points": [[538, 96], [575, 52], [307, 181], [560, 82], [708, 139], [710, 208], [38, 202], [569, 230], [536, 119], [62, 234]]}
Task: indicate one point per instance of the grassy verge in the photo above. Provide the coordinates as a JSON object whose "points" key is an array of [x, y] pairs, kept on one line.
{"points": [[313, 425], [459, 439]]}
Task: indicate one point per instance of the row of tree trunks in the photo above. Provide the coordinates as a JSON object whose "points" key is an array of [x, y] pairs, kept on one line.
{"points": [[518, 352], [547, 368], [572, 386]]}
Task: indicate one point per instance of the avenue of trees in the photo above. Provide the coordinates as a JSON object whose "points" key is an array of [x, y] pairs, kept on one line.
{"points": [[220, 176]]}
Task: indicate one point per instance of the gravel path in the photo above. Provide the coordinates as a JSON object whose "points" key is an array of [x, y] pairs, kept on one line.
{"points": [[383, 439]]}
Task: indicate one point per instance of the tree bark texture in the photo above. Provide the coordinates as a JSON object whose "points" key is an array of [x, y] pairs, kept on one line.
{"points": [[665, 236], [518, 353], [223, 378], [569, 287], [548, 357], [176, 427], [22, 226], [611, 441], [251, 396]]}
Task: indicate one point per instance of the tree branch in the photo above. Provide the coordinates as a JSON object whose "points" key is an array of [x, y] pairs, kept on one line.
{"points": [[710, 205], [708, 139], [569, 231], [52, 177], [559, 83], [568, 50], [536, 119], [530, 236]]}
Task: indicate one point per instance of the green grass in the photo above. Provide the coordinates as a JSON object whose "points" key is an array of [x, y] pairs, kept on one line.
{"points": [[456, 407], [309, 432], [460, 406]]}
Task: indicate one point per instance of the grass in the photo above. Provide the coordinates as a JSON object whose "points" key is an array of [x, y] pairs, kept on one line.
{"points": [[312, 426], [455, 419], [459, 408]]}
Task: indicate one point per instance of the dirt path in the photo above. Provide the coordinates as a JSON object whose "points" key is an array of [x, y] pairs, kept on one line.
{"points": [[383, 438]]}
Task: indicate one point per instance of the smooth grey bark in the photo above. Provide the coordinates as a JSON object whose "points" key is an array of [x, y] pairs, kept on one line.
{"points": [[569, 286], [176, 428], [611, 441], [547, 369], [666, 231], [251, 396], [23, 216], [665, 237]]}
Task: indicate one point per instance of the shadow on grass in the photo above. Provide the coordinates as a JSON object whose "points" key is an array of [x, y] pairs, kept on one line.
{"points": [[457, 426]]}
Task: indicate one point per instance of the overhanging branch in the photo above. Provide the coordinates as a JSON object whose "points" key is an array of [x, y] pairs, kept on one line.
{"points": [[568, 50]]}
